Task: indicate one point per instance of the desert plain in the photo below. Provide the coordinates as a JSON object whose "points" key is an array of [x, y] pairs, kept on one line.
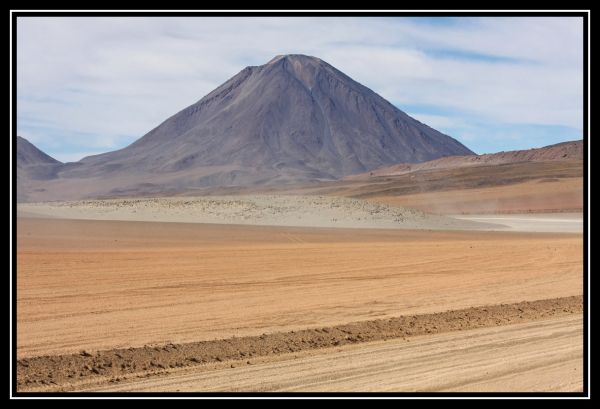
{"points": [[294, 231], [247, 293]]}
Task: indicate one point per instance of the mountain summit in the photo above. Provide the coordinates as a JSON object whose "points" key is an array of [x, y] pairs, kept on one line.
{"points": [[29, 155], [293, 119], [32, 165]]}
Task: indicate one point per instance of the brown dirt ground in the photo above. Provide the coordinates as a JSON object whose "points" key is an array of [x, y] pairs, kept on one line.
{"points": [[100, 285], [536, 356], [507, 188], [537, 196], [113, 366], [520, 187]]}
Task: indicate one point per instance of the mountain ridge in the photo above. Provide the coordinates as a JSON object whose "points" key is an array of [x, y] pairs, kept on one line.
{"points": [[32, 165], [28, 154], [562, 151]]}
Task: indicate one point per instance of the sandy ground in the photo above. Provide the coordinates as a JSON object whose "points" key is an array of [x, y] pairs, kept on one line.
{"points": [[532, 222], [72, 372], [275, 210], [300, 211], [100, 285], [535, 356], [541, 195]]}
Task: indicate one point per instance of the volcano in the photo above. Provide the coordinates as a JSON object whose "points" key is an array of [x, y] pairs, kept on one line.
{"points": [[293, 119]]}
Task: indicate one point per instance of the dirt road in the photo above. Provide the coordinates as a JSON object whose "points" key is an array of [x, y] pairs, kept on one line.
{"points": [[76, 371], [535, 356]]}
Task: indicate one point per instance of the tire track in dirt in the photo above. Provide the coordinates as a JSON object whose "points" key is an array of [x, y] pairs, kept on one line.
{"points": [[116, 365]]}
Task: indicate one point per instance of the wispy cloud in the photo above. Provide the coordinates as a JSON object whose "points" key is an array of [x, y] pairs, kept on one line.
{"points": [[96, 84]]}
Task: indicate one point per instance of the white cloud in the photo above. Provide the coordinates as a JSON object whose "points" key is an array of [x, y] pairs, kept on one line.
{"points": [[107, 81]]}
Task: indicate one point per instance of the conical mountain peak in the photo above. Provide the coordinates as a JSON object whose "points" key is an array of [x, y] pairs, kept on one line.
{"points": [[300, 58], [294, 119]]}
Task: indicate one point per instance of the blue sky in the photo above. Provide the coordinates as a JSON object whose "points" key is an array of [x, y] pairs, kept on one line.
{"points": [[90, 85]]}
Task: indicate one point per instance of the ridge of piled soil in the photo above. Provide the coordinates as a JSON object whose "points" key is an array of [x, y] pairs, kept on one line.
{"points": [[115, 365]]}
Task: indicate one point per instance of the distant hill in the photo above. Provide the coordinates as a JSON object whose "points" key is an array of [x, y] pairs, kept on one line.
{"points": [[29, 155], [565, 151], [32, 165]]}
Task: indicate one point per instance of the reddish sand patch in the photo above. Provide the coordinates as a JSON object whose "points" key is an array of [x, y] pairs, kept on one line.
{"points": [[100, 285], [532, 196]]}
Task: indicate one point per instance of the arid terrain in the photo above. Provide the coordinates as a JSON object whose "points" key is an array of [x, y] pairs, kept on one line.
{"points": [[132, 286], [535, 196], [544, 180], [300, 272], [522, 187], [548, 179], [293, 230], [501, 358], [340, 367], [273, 210], [459, 274]]}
